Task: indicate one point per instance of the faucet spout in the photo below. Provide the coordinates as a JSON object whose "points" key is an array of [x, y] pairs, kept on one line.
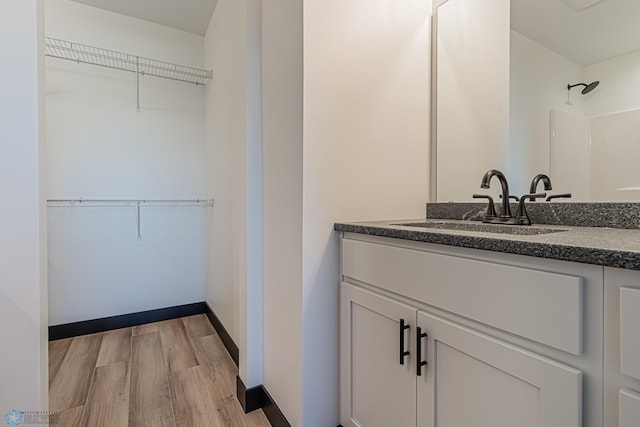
{"points": [[505, 213], [536, 179]]}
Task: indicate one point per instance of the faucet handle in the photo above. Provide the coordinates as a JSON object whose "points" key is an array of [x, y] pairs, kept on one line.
{"points": [[557, 196], [522, 217], [532, 196], [491, 209]]}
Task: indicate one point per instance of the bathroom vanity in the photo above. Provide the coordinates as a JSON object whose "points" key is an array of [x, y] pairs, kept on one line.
{"points": [[446, 326], [456, 324]]}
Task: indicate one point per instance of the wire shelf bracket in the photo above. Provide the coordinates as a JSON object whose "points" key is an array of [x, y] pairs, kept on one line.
{"points": [[141, 66]]}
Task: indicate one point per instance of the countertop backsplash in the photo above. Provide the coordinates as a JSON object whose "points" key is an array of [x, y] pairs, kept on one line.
{"points": [[576, 214]]}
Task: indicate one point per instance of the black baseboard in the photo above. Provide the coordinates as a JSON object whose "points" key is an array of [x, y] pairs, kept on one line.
{"points": [[68, 330], [250, 399], [232, 348], [273, 413], [258, 397]]}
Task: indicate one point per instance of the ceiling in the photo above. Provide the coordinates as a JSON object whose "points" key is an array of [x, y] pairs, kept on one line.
{"points": [[605, 30], [187, 15]]}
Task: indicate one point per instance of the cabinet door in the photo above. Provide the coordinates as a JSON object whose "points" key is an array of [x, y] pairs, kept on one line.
{"points": [[629, 408], [622, 348], [472, 379], [375, 389], [629, 332]]}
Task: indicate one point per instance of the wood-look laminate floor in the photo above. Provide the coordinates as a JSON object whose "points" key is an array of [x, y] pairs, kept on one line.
{"points": [[173, 373]]}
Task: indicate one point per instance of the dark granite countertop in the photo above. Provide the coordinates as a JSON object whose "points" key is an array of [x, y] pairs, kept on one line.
{"points": [[610, 247]]}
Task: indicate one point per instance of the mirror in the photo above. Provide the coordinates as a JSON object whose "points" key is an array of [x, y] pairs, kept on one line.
{"points": [[501, 76]]}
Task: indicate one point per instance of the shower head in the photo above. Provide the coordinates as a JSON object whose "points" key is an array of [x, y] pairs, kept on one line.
{"points": [[587, 87], [591, 86]]}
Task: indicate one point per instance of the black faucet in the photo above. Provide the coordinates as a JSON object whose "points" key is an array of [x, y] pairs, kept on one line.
{"points": [[522, 217], [505, 214], [534, 184]]}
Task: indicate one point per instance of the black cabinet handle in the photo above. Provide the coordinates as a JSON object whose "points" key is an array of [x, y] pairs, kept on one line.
{"points": [[403, 353], [420, 362]]}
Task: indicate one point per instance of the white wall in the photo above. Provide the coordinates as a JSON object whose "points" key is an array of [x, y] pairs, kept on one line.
{"points": [[225, 136], [472, 94], [98, 27], [282, 105], [366, 154], [23, 269], [101, 148], [614, 156], [233, 157], [251, 300], [570, 154], [539, 78], [619, 88], [614, 111], [351, 142]]}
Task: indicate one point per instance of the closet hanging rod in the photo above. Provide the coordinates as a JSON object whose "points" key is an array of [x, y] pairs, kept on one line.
{"points": [[81, 53], [128, 202]]}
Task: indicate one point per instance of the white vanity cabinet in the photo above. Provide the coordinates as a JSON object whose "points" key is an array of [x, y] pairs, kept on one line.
{"points": [[622, 348], [507, 340], [502, 384]]}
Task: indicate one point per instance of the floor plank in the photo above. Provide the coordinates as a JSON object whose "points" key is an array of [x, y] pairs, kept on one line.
{"points": [[177, 346], [257, 419], [214, 357], [115, 347], [147, 328], [150, 403], [108, 401], [58, 344], [198, 326], [212, 354], [71, 384], [57, 351], [70, 417], [201, 400], [230, 411]]}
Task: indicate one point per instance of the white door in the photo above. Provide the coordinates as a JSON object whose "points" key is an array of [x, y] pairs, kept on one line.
{"points": [[376, 390], [471, 379]]}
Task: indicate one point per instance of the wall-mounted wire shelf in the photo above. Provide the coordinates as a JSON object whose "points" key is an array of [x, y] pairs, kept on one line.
{"points": [[141, 66], [127, 203], [124, 203], [86, 54]]}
